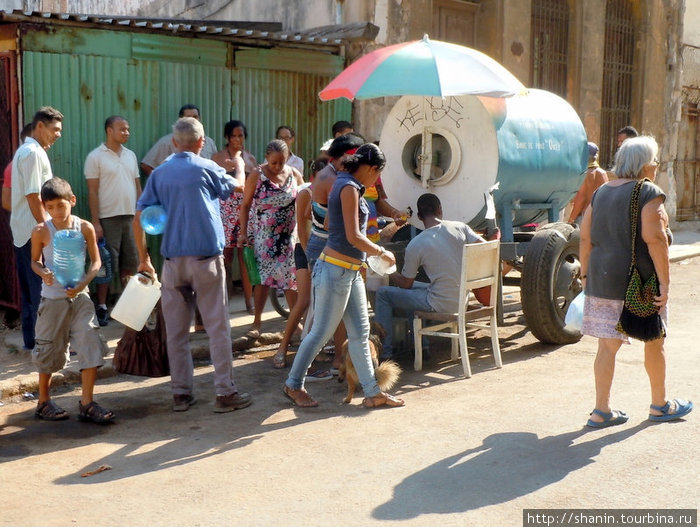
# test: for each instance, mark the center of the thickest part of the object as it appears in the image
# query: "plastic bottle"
(153, 219)
(380, 266)
(104, 275)
(251, 265)
(68, 257)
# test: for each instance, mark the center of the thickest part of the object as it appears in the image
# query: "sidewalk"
(18, 377)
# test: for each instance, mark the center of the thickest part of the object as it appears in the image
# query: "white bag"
(574, 315)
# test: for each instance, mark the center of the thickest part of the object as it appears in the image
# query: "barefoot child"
(65, 314)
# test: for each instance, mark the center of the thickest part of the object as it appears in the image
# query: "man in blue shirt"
(189, 188)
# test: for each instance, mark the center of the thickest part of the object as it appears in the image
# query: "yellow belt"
(340, 263)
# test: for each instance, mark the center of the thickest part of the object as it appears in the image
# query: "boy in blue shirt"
(65, 315)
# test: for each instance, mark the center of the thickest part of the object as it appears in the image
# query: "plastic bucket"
(136, 303)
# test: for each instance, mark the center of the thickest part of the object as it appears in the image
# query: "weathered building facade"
(617, 62)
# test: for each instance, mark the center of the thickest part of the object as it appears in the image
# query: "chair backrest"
(481, 267)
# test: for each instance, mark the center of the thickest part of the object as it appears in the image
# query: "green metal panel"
(177, 49)
(78, 41)
(266, 97)
(147, 78)
(297, 61)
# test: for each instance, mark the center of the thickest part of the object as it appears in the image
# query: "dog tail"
(387, 374)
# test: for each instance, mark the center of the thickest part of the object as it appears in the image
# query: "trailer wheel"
(279, 302)
(550, 281)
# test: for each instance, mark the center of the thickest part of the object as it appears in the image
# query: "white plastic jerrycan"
(137, 301)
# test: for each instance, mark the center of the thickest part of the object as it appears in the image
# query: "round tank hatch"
(444, 157)
(446, 146)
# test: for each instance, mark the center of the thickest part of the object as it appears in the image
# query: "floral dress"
(229, 216)
(274, 235)
(230, 208)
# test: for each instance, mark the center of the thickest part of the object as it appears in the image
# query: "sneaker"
(319, 375)
(229, 403)
(102, 316)
(183, 401)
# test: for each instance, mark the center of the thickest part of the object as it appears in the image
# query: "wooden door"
(454, 21)
(688, 162)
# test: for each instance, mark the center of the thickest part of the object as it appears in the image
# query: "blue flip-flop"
(683, 408)
(609, 419)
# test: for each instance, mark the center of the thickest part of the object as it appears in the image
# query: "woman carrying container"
(338, 288)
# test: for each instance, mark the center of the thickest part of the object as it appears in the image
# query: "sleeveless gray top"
(611, 238)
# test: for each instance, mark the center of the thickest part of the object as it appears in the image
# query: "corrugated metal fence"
(91, 74)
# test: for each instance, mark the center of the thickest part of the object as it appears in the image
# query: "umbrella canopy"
(423, 67)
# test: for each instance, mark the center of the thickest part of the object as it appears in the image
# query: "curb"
(199, 347)
(29, 383)
(684, 254)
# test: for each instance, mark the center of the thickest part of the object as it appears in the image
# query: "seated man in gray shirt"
(438, 249)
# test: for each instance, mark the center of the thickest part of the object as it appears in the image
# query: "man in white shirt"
(438, 249)
(288, 135)
(30, 169)
(165, 147)
(112, 175)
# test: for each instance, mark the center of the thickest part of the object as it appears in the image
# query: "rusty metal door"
(550, 45)
(618, 70)
(688, 162)
(9, 286)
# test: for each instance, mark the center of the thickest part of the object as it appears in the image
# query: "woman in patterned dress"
(239, 163)
(270, 192)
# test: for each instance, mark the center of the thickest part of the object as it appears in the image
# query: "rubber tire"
(550, 281)
(279, 303)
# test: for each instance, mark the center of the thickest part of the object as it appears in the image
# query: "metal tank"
(514, 161)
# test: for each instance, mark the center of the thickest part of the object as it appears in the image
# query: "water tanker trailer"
(513, 162)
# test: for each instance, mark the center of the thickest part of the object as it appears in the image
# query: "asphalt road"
(463, 452)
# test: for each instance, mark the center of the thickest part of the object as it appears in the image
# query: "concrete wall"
(121, 7)
(691, 42)
(293, 14)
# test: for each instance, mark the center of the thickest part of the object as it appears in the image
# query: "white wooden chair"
(480, 267)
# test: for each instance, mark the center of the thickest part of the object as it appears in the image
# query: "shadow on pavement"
(506, 466)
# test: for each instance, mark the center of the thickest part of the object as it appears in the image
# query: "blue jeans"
(337, 293)
(407, 300)
(30, 292)
(314, 248)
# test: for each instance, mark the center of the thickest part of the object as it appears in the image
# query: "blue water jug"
(153, 219)
(68, 257)
(104, 275)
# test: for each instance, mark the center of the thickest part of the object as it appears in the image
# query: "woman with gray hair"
(605, 252)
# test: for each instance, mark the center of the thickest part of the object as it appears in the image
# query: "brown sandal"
(50, 411)
(300, 398)
(382, 399)
(95, 413)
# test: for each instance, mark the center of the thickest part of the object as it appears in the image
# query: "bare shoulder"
(86, 226)
(40, 228)
(41, 232)
(297, 176)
